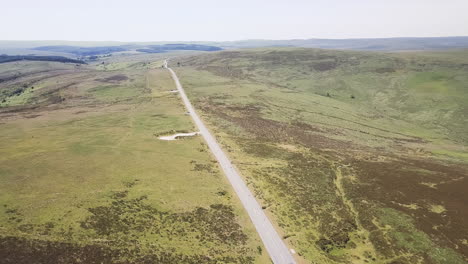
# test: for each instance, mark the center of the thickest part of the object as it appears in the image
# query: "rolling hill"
(356, 156)
(371, 44)
(86, 179)
(360, 157)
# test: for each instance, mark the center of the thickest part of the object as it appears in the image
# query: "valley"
(359, 157)
(353, 156)
(86, 179)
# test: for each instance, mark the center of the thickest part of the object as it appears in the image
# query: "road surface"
(273, 243)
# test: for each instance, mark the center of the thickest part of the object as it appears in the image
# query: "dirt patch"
(210, 168)
(323, 65)
(385, 70)
(114, 78)
(179, 136)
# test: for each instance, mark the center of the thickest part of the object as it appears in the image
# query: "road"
(272, 241)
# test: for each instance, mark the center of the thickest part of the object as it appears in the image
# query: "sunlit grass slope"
(359, 157)
(85, 179)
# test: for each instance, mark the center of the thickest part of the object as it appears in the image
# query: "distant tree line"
(8, 58)
(169, 47)
(95, 51)
(83, 51)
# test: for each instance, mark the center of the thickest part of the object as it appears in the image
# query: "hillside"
(359, 157)
(370, 44)
(7, 58)
(86, 178)
(100, 50)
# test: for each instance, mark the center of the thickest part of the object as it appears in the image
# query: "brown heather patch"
(379, 180)
(118, 227)
(14, 250)
(114, 78)
(249, 119)
(399, 182)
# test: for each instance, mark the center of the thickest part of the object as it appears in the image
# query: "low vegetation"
(85, 179)
(82, 51)
(358, 156)
(10, 58)
(93, 52)
(169, 47)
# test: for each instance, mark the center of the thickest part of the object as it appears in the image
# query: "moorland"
(359, 157)
(355, 156)
(85, 178)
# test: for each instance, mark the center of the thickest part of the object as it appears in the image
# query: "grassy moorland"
(84, 178)
(359, 157)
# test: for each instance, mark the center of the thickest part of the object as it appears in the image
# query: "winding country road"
(274, 245)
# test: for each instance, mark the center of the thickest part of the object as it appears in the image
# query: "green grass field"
(86, 180)
(359, 157)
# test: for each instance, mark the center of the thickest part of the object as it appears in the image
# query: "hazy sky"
(154, 20)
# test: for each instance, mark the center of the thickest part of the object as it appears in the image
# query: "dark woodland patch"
(7, 58)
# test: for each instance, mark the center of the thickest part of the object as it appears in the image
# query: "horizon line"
(238, 40)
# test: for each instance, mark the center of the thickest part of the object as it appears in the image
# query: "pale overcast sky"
(155, 20)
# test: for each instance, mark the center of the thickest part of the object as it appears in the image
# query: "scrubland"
(359, 157)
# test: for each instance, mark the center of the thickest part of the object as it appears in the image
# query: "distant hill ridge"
(7, 58)
(82, 51)
(371, 44)
(93, 51)
(375, 44)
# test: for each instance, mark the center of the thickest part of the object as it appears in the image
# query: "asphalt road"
(272, 241)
